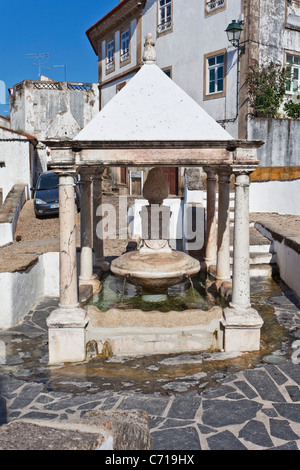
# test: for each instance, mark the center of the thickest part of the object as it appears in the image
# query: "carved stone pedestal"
(241, 329)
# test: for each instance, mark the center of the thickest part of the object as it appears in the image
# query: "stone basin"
(155, 273)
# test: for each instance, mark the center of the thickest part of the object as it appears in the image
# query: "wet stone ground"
(208, 400)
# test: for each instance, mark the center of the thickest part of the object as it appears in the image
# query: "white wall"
(16, 157)
(288, 261)
(20, 291)
(281, 137)
(281, 197)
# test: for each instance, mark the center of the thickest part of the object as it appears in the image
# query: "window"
(168, 71)
(293, 7)
(214, 84)
(293, 62)
(124, 53)
(110, 56)
(215, 74)
(212, 6)
(164, 15)
(119, 86)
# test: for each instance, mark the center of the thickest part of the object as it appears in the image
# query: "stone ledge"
(97, 430)
(11, 204)
(281, 227)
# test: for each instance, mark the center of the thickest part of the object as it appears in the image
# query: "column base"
(93, 281)
(241, 329)
(66, 335)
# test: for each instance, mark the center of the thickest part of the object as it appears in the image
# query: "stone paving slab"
(97, 430)
(222, 417)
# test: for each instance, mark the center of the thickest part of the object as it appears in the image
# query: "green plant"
(267, 88)
(292, 107)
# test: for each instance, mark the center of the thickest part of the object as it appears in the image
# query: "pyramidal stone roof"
(152, 107)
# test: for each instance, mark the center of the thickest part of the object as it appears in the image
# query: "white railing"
(110, 65)
(124, 56)
(213, 5)
(164, 26)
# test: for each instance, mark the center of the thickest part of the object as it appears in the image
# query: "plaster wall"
(288, 261)
(15, 155)
(275, 37)
(37, 281)
(52, 112)
(281, 136)
(281, 197)
(4, 122)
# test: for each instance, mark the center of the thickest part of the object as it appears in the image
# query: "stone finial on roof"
(149, 56)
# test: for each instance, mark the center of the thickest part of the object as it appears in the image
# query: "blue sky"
(54, 27)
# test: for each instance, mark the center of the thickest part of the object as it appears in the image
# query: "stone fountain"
(155, 266)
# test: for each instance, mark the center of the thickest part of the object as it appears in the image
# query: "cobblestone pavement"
(194, 401)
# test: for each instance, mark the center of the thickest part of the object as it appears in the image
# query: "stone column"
(100, 265)
(67, 323)
(223, 241)
(211, 235)
(242, 323)
(86, 232)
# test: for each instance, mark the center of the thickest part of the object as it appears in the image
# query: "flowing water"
(118, 293)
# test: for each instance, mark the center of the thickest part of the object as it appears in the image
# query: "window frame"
(110, 64)
(160, 30)
(207, 95)
(291, 90)
(125, 58)
(168, 71)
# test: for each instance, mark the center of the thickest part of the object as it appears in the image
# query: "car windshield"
(48, 181)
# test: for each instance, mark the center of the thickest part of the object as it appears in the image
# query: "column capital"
(98, 173)
(211, 172)
(243, 169)
(224, 174)
(85, 173)
(71, 171)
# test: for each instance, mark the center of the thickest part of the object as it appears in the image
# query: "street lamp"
(233, 31)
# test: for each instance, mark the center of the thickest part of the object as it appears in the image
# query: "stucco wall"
(52, 109)
(281, 197)
(16, 157)
(275, 37)
(281, 136)
(39, 280)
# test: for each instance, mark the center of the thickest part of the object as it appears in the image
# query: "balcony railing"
(164, 26)
(214, 5)
(110, 66)
(124, 56)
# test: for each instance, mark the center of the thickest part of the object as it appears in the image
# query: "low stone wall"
(132, 331)
(22, 289)
(286, 246)
(282, 146)
(10, 211)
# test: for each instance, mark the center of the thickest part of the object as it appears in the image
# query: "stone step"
(259, 258)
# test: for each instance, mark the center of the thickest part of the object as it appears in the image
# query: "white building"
(19, 161)
(48, 109)
(193, 49)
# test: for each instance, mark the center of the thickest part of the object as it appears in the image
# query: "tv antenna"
(40, 56)
(65, 67)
